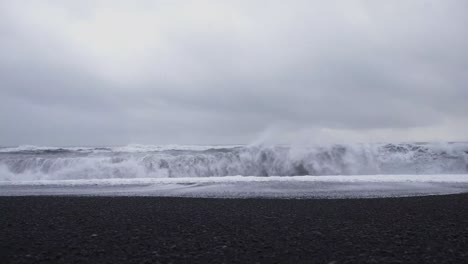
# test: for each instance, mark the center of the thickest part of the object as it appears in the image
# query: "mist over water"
(32, 163)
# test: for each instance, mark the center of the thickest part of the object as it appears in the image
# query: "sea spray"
(146, 161)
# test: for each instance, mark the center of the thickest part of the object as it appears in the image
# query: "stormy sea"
(354, 203)
(326, 171)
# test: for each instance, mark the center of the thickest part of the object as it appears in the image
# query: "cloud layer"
(198, 72)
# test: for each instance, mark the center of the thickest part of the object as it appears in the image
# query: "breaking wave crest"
(28, 163)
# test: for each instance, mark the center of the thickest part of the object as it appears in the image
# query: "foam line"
(443, 178)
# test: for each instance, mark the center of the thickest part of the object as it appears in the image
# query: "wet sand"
(61, 229)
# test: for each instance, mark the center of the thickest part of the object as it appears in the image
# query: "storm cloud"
(205, 72)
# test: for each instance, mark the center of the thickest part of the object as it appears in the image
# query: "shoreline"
(98, 229)
(315, 187)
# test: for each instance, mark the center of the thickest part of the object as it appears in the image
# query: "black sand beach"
(431, 229)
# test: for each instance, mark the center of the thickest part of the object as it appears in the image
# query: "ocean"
(338, 170)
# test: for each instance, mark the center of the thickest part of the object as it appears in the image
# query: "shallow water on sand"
(358, 186)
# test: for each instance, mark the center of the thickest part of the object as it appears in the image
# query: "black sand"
(182, 230)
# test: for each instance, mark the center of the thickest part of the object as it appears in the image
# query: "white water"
(131, 148)
(29, 163)
(442, 178)
(358, 170)
(361, 186)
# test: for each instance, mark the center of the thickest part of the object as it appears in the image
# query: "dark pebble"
(431, 229)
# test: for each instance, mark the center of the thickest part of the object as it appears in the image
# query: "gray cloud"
(109, 72)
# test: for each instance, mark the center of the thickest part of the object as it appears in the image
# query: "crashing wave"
(142, 161)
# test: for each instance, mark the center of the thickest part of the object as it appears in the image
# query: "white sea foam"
(33, 163)
(28, 148)
(152, 148)
(353, 170)
(437, 178)
(131, 148)
(362, 186)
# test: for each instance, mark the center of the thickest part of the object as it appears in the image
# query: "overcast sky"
(219, 72)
